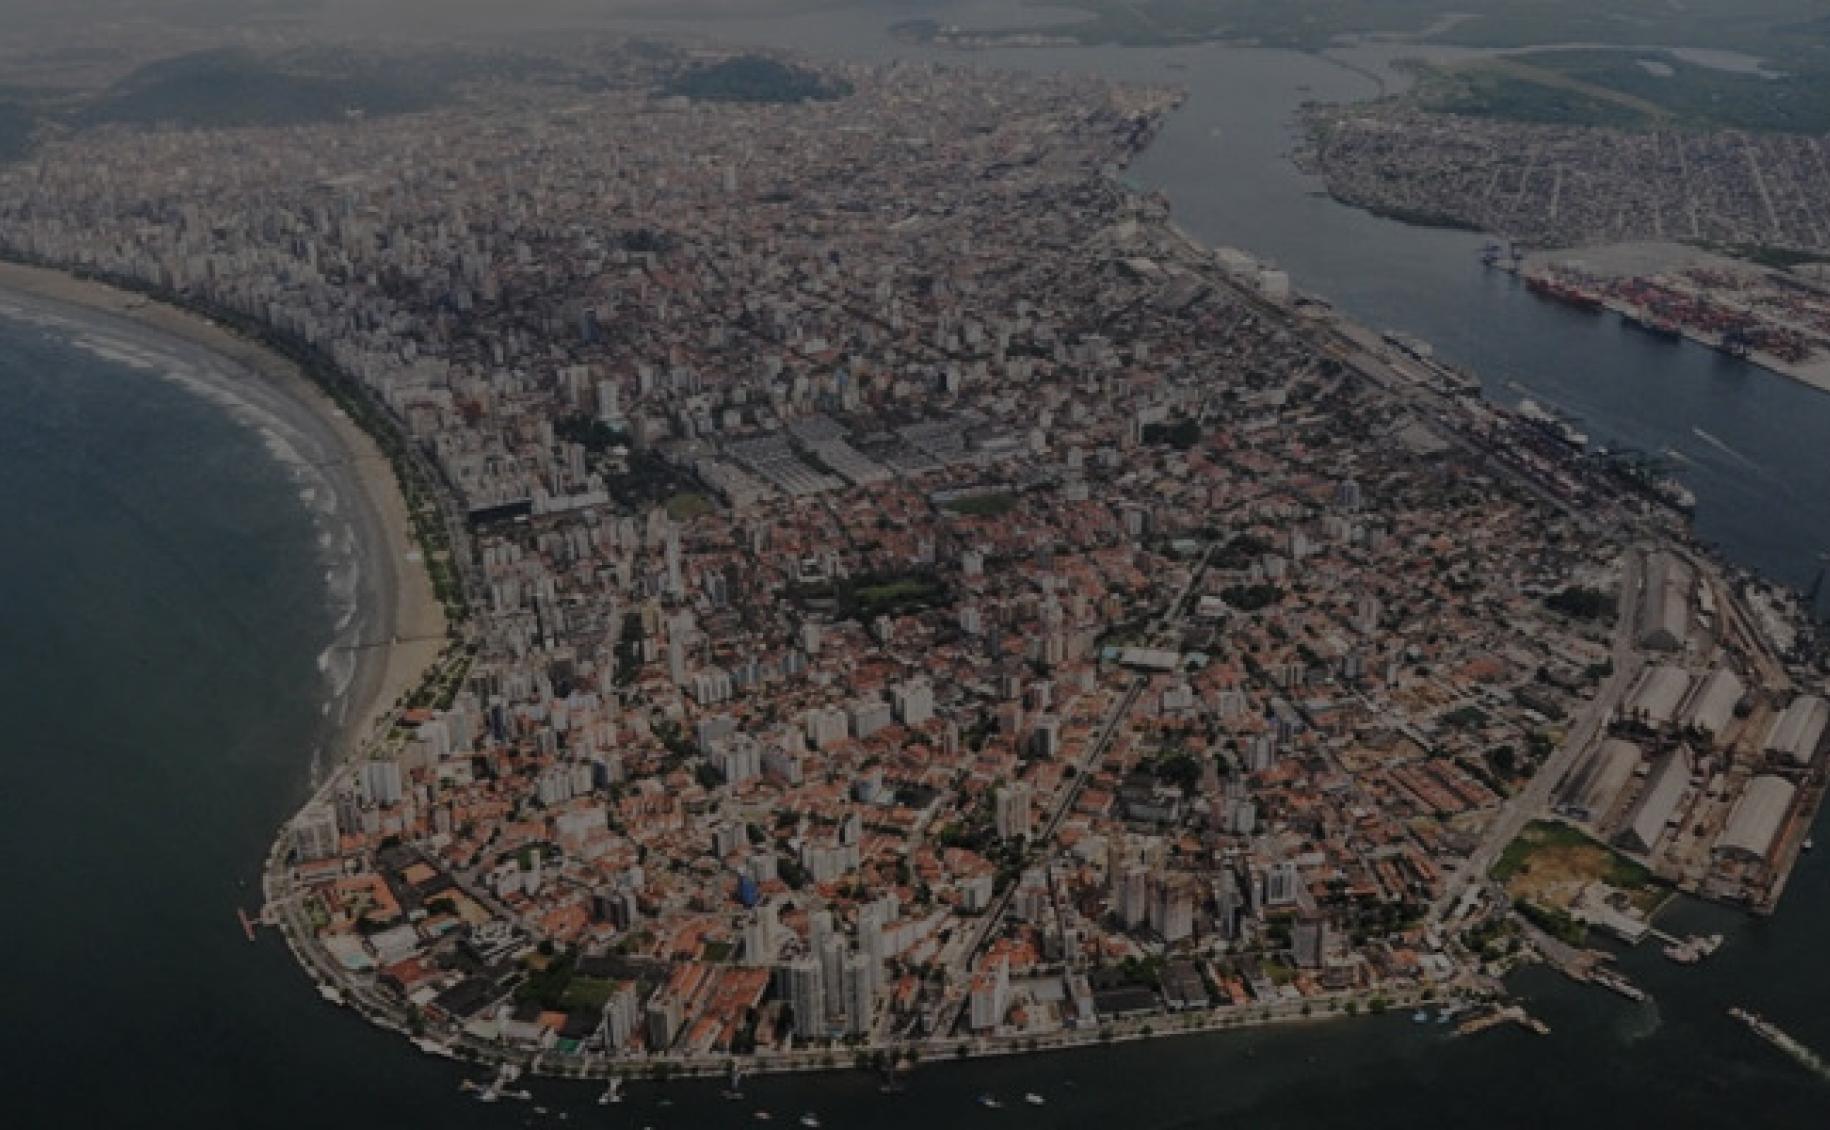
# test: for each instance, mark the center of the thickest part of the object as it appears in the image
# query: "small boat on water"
(613, 1093)
(811, 1121)
(498, 1087)
(989, 1102)
(1033, 1099)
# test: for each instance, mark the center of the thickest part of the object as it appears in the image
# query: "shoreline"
(404, 625)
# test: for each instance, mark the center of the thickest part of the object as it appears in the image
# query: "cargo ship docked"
(1551, 424)
(1562, 292)
(1648, 478)
(1454, 378)
(1409, 343)
(1652, 324)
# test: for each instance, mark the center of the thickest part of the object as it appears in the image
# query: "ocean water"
(162, 611)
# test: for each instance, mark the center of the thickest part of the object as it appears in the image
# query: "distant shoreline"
(395, 596)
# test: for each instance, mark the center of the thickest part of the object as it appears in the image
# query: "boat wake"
(1642, 1022)
(1719, 445)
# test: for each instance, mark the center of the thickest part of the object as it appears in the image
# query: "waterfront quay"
(1775, 318)
(914, 601)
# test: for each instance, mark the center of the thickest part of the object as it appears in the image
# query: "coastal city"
(907, 598)
(1567, 185)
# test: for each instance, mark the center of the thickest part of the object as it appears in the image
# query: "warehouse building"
(1797, 732)
(1758, 816)
(1658, 695)
(1712, 705)
(1590, 792)
(1663, 616)
(1658, 801)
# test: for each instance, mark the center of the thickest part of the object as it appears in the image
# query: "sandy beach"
(393, 626)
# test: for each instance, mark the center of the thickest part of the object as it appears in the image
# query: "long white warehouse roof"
(1757, 817)
(1664, 604)
(1660, 691)
(1796, 733)
(1658, 802)
(1712, 707)
(1599, 778)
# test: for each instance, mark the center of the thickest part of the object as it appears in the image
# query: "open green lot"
(1760, 27)
(1630, 89)
(586, 994)
(687, 504)
(1550, 862)
(892, 595)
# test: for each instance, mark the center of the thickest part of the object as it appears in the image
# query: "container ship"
(1652, 324)
(1562, 292)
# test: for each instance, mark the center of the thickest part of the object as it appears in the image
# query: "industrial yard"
(1775, 317)
(1707, 771)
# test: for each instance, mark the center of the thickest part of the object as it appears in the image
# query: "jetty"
(1511, 1013)
(1612, 981)
(1690, 950)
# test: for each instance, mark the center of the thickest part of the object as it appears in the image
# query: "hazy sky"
(355, 15)
(37, 36)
